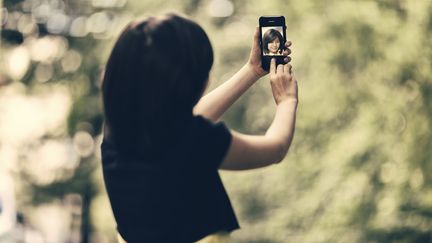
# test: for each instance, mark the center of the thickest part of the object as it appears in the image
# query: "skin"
(273, 46)
(215, 103)
(255, 55)
(255, 151)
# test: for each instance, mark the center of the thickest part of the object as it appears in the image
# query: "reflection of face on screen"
(272, 40)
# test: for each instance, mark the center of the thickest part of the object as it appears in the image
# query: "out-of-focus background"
(359, 169)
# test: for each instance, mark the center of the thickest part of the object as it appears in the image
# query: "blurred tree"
(359, 168)
(77, 28)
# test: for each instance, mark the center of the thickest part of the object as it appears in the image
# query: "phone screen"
(273, 40)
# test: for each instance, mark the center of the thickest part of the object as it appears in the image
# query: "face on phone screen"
(272, 40)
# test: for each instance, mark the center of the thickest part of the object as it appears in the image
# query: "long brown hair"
(157, 71)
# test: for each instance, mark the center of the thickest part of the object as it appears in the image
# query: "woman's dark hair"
(156, 73)
(271, 35)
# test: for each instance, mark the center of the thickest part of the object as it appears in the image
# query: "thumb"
(256, 38)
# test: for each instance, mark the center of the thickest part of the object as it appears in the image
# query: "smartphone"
(272, 41)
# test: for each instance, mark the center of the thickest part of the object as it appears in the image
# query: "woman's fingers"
(287, 59)
(273, 66)
(280, 69)
(287, 51)
(256, 37)
(287, 45)
(287, 68)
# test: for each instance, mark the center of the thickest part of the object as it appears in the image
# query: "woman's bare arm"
(254, 151)
(249, 151)
(214, 104)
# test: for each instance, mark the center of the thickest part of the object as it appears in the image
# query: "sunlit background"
(359, 169)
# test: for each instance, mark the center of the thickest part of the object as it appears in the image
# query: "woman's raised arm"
(251, 151)
(214, 104)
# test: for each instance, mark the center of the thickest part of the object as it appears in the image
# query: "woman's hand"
(254, 62)
(283, 83)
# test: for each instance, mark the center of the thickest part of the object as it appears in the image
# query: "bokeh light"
(17, 62)
(47, 49)
(220, 8)
(83, 143)
(4, 16)
(78, 27)
(358, 169)
(43, 72)
(71, 61)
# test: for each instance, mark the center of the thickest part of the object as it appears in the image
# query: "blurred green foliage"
(359, 168)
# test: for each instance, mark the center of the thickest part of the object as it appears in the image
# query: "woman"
(163, 144)
(272, 40)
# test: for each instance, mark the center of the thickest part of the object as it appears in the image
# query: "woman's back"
(177, 197)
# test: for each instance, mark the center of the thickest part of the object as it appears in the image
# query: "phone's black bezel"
(271, 21)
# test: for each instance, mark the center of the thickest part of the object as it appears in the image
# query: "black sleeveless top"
(177, 198)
